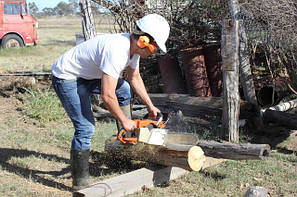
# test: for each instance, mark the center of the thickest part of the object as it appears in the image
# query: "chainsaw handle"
(159, 116)
(121, 138)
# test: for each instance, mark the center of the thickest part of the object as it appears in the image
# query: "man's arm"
(139, 88)
(108, 87)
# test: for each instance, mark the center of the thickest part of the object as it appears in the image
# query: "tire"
(12, 41)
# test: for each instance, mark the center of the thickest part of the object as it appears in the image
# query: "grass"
(43, 106)
(233, 178)
(36, 137)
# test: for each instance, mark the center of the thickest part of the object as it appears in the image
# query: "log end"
(265, 151)
(196, 158)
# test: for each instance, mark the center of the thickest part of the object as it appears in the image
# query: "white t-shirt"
(109, 53)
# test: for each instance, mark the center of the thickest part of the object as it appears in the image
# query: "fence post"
(88, 25)
(231, 99)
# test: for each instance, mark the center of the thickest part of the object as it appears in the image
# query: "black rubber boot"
(80, 169)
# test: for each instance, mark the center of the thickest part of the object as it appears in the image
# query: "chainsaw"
(150, 131)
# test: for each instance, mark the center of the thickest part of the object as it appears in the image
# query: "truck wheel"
(12, 41)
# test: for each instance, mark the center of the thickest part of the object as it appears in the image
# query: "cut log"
(280, 118)
(189, 157)
(235, 151)
(285, 106)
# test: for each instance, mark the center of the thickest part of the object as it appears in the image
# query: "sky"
(46, 3)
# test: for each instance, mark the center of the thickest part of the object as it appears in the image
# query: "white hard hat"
(157, 27)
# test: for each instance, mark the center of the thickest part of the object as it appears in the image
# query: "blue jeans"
(75, 98)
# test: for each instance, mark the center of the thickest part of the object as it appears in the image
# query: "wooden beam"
(132, 182)
(138, 180)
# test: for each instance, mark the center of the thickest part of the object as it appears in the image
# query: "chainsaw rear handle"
(140, 124)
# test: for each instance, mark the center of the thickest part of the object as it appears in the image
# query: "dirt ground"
(15, 151)
(12, 119)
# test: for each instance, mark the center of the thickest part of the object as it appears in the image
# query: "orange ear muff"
(144, 41)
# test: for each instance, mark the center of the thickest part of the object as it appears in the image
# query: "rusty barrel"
(171, 75)
(195, 71)
(213, 63)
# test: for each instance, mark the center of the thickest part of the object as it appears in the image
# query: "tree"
(63, 9)
(73, 4)
(33, 8)
(49, 11)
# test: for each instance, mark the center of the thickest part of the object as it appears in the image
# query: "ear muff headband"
(144, 41)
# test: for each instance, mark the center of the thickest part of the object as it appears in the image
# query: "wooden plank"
(138, 180)
(132, 182)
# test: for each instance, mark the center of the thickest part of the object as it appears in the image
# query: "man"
(95, 66)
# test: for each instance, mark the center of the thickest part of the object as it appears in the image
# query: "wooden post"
(88, 25)
(231, 100)
(244, 61)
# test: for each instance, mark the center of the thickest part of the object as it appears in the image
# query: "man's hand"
(108, 86)
(139, 88)
(129, 125)
(153, 111)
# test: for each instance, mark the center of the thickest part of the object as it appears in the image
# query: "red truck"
(18, 27)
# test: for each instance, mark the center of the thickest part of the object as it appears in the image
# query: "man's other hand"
(153, 112)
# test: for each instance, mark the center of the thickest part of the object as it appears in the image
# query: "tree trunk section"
(194, 106)
(88, 25)
(189, 157)
(231, 103)
(246, 77)
(285, 106)
(280, 118)
(235, 151)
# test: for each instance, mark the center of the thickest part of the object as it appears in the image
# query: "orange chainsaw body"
(132, 139)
